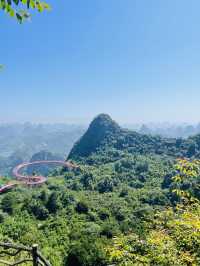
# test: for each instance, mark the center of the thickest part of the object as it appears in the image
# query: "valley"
(113, 207)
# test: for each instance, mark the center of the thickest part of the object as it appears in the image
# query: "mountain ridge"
(104, 135)
(99, 129)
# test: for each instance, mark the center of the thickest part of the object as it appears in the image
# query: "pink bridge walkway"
(32, 180)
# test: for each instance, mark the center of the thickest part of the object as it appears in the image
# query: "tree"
(38, 210)
(173, 236)
(186, 181)
(8, 203)
(191, 150)
(105, 185)
(20, 8)
(87, 179)
(82, 207)
(53, 203)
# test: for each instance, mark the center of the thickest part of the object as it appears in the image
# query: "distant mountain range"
(108, 141)
(31, 138)
(173, 131)
(19, 142)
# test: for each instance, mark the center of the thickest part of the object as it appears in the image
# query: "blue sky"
(137, 60)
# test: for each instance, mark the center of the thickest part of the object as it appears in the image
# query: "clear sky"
(137, 60)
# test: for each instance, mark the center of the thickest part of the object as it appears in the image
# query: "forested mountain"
(100, 130)
(128, 202)
(19, 142)
(106, 139)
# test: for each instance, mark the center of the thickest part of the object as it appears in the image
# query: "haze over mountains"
(31, 138)
(19, 142)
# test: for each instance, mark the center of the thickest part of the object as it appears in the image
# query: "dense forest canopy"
(131, 201)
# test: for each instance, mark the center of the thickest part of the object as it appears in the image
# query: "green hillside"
(105, 140)
(129, 202)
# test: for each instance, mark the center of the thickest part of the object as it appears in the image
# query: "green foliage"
(19, 8)
(102, 127)
(8, 203)
(126, 204)
(173, 236)
(53, 203)
(105, 185)
(38, 210)
(81, 207)
(105, 141)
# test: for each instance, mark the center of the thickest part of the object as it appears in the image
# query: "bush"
(8, 203)
(53, 203)
(103, 214)
(82, 207)
(105, 185)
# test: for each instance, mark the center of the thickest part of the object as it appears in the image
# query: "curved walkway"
(32, 180)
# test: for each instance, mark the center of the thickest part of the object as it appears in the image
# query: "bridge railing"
(11, 254)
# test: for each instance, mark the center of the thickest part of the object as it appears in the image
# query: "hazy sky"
(138, 60)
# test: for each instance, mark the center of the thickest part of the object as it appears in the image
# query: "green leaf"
(19, 17)
(16, 2)
(12, 12)
(9, 2)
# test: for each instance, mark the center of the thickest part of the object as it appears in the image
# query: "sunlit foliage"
(173, 237)
(20, 8)
(128, 203)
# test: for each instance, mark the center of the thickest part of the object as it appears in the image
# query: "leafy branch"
(185, 170)
(19, 9)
